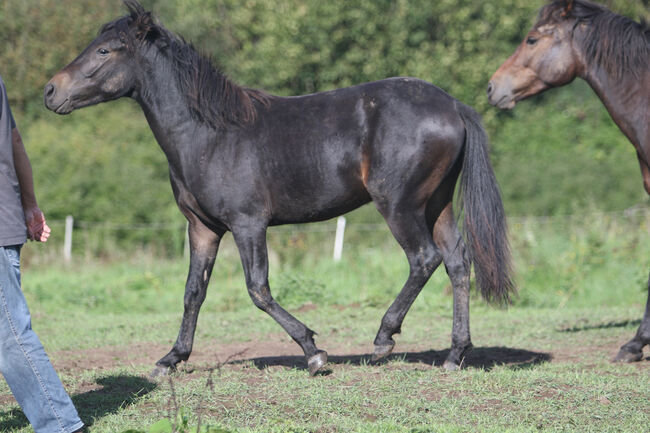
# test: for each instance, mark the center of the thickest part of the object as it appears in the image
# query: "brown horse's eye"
(531, 41)
(102, 51)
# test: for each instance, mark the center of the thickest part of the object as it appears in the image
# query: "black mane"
(614, 42)
(211, 97)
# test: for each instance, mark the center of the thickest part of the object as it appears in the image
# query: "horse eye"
(531, 41)
(102, 51)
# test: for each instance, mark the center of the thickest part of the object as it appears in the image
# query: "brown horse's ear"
(568, 8)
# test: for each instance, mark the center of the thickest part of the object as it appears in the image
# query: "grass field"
(540, 365)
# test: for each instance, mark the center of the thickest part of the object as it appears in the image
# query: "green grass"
(540, 365)
(580, 391)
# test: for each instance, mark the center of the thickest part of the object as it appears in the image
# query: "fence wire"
(330, 226)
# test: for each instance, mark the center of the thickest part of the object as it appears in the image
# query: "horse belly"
(318, 196)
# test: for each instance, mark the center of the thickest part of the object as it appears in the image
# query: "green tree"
(556, 153)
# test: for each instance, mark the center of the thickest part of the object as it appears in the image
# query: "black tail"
(485, 221)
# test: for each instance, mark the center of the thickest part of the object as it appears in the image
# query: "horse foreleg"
(633, 350)
(204, 244)
(251, 241)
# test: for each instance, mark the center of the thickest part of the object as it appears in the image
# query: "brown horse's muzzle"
(500, 94)
(510, 84)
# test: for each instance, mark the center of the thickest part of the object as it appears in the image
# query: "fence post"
(186, 243)
(338, 240)
(67, 240)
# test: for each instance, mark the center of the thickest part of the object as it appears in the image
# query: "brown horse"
(577, 38)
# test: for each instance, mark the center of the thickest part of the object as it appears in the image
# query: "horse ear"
(143, 26)
(134, 8)
(567, 8)
(142, 22)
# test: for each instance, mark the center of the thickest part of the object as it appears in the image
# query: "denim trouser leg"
(23, 361)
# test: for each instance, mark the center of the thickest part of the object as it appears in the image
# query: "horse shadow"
(588, 327)
(116, 393)
(485, 358)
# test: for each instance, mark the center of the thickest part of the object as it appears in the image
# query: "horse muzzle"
(54, 98)
(499, 97)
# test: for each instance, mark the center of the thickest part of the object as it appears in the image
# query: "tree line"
(559, 153)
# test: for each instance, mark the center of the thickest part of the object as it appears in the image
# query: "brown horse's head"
(546, 58)
(105, 69)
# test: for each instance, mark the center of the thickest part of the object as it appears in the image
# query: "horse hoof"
(160, 371)
(450, 366)
(625, 356)
(316, 362)
(382, 351)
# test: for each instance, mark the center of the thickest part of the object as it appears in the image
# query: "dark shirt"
(12, 219)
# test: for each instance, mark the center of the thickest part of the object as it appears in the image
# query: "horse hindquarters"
(424, 189)
(411, 222)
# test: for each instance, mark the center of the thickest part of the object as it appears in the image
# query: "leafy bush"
(555, 154)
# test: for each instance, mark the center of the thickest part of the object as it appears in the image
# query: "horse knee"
(425, 263)
(194, 295)
(458, 272)
(261, 296)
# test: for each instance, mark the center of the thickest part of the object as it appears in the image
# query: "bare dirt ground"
(276, 352)
(282, 353)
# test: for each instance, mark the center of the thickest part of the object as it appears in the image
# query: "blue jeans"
(23, 361)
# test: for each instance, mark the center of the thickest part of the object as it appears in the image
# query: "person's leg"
(23, 361)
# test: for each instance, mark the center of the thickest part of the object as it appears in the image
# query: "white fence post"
(67, 240)
(186, 243)
(338, 240)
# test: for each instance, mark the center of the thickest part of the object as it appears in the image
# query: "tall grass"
(581, 260)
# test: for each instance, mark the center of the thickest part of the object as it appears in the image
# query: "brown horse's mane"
(210, 95)
(611, 41)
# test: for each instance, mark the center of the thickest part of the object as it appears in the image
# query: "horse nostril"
(490, 88)
(49, 91)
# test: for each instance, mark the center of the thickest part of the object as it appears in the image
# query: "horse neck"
(166, 109)
(626, 100)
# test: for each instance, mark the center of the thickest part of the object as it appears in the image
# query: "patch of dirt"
(308, 306)
(7, 399)
(353, 306)
(597, 352)
(277, 352)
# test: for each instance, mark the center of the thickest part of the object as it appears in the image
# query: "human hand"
(37, 228)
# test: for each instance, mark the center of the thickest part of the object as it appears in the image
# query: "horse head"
(546, 58)
(106, 69)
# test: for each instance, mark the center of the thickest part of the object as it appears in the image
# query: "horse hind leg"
(457, 264)
(632, 351)
(251, 242)
(413, 235)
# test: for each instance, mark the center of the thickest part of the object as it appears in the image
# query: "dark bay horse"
(577, 38)
(241, 160)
